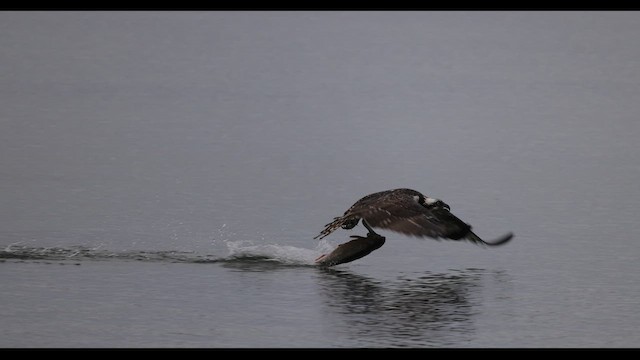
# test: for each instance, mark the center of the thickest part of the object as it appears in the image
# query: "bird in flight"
(401, 210)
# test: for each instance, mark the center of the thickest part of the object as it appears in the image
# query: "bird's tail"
(497, 242)
(331, 227)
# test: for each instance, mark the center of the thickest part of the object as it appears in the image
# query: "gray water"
(163, 174)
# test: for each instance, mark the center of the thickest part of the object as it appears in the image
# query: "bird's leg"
(371, 232)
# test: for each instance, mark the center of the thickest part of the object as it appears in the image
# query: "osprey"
(401, 210)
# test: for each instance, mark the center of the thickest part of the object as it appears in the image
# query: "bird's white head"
(430, 201)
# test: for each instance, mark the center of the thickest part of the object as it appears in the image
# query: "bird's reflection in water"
(430, 309)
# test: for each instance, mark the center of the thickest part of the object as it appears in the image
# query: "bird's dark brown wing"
(403, 214)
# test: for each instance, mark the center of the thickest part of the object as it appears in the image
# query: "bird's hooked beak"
(436, 203)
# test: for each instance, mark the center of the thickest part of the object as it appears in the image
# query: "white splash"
(284, 254)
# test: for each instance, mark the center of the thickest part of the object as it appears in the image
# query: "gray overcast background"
(156, 128)
(151, 135)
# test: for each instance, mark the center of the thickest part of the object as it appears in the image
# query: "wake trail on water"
(240, 251)
(281, 254)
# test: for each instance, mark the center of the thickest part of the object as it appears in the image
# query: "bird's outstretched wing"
(403, 214)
